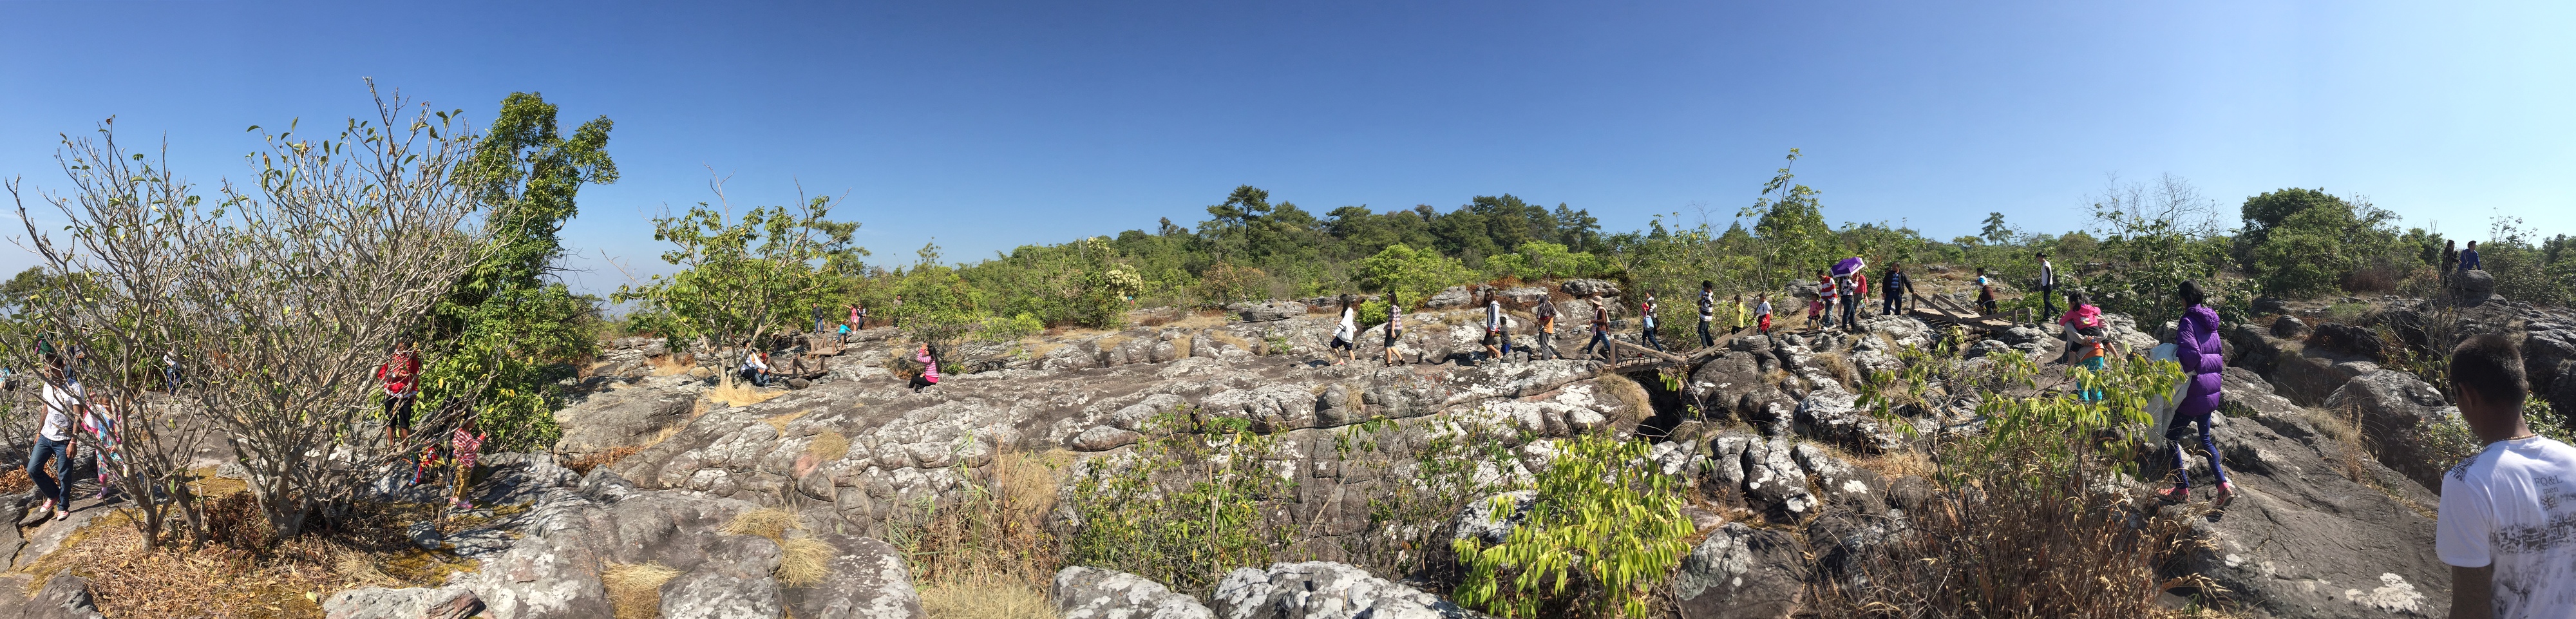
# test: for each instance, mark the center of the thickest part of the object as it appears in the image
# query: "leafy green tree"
(504, 330)
(1995, 231)
(1791, 226)
(2265, 211)
(746, 277)
(1412, 273)
(2311, 249)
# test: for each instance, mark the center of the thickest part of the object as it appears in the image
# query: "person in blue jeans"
(2197, 348)
(53, 442)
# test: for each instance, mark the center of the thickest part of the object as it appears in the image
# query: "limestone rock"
(449, 602)
(1773, 482)
(2473, 286)
(1094, 593)
(864, 579)
(612, 419)
(1269, 312)
(2289, 327)
(1324, 590)
(1453, 296)
(1581, 288)
(1740, 572)
(1491, 519)
(2395, 408)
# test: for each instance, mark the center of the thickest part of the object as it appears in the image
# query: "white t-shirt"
(58, 410)
(1349, 329)
(2513, 506)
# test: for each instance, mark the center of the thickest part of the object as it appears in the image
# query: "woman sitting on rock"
(2196, 346)
(929, 369)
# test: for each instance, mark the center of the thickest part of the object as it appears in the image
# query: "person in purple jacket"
(2196, 346)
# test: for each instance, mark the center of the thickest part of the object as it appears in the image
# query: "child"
(1739, 312)
(2504, 516)
(1394, 326)
(465, 444)
(1762, 308)
(1646, 316)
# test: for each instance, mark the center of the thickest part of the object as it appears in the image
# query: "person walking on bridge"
(1600, 329)
(1646, 317)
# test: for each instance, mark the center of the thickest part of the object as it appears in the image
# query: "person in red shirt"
(401, 376)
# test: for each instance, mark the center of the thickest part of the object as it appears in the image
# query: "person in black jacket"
(1895, 286)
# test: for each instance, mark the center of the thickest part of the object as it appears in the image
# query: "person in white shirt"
(53, 442)
(2047, 286)
(1493, 326)
(755, 366)
(2508, 518)
(1346, 335)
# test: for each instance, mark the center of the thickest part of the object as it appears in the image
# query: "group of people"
(855, 317)
(400, 376)
(1846, 286)
(1497, 338)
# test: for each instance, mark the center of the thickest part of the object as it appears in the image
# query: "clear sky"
(990, 125)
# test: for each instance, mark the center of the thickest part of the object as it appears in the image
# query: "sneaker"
(2226, 493)
(48, 506)
(2176, 494)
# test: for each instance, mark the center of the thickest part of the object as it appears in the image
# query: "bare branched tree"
(104, 318)
(283, 297)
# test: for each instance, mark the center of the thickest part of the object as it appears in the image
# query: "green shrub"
(1414, 274)
(1182, 508)
(1605, 529)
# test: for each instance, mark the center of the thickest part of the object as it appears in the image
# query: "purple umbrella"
(1848, 266)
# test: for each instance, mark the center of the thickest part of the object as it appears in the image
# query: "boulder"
(2271, 305)
(1740, 572)
(1525, 295)
(1834, 415)
(625, 417)
(1453, 296)
(1269, 312)
(2348, 340)
(864, 579)
(2289, 327)
(1581, 288)
(2396, 409)
(2473, 287)
(1323, 590)
(1774, 484)
(733, 582)
(1842, 485)
(2303, 538)
(449, 602)
(1094, 593)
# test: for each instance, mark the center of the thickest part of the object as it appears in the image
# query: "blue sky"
(990, 125)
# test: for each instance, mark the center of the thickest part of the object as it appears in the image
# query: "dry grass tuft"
(667, 365)
(996, 537)
(584, 464)
(770, 522)
(985, 598)
(1201, 320)
(635, 590)
(740, 394)
(803, 561)
(828, 446)
(14, 481)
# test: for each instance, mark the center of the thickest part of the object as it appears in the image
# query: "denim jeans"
(2178, 432)
(56, 486)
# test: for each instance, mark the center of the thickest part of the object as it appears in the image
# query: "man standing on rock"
(2508, 517)
(1707, 312)
(1546, 312)
(2047, 287)
(2469, 258)
(1895, 286)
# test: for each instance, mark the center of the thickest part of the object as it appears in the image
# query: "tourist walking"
(63, 397)
(1600, 330)
(1394, 326)
(1740, 315)
(1346, 334)
(1822, 311)
(2505, 512)
(1895, 287)
(1762, 313)
(1707, 312)
(1646, 316)
(1851, 301)
(1493, 326)
(1546, 312)
(2196, 345)
(2047, 285)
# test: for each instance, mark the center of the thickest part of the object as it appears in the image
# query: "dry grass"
(1897, 463)
(635, 590)
(985, 598)
(995, 538)
(803, 561)
(1201, 320)
(1231, 340)
(283, 579)
(828, 446)
(14, 481)
(768, 522)
(734, 393)
(584, 464)
(667, 365)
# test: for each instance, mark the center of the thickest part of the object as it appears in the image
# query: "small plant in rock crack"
(1605, 529)
(1443, 465)
(1182, 507)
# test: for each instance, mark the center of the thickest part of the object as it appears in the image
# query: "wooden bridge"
(1935, 310)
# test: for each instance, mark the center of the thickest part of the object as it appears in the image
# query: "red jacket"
(400, 373)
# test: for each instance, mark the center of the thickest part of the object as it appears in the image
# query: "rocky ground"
(2324, 438)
